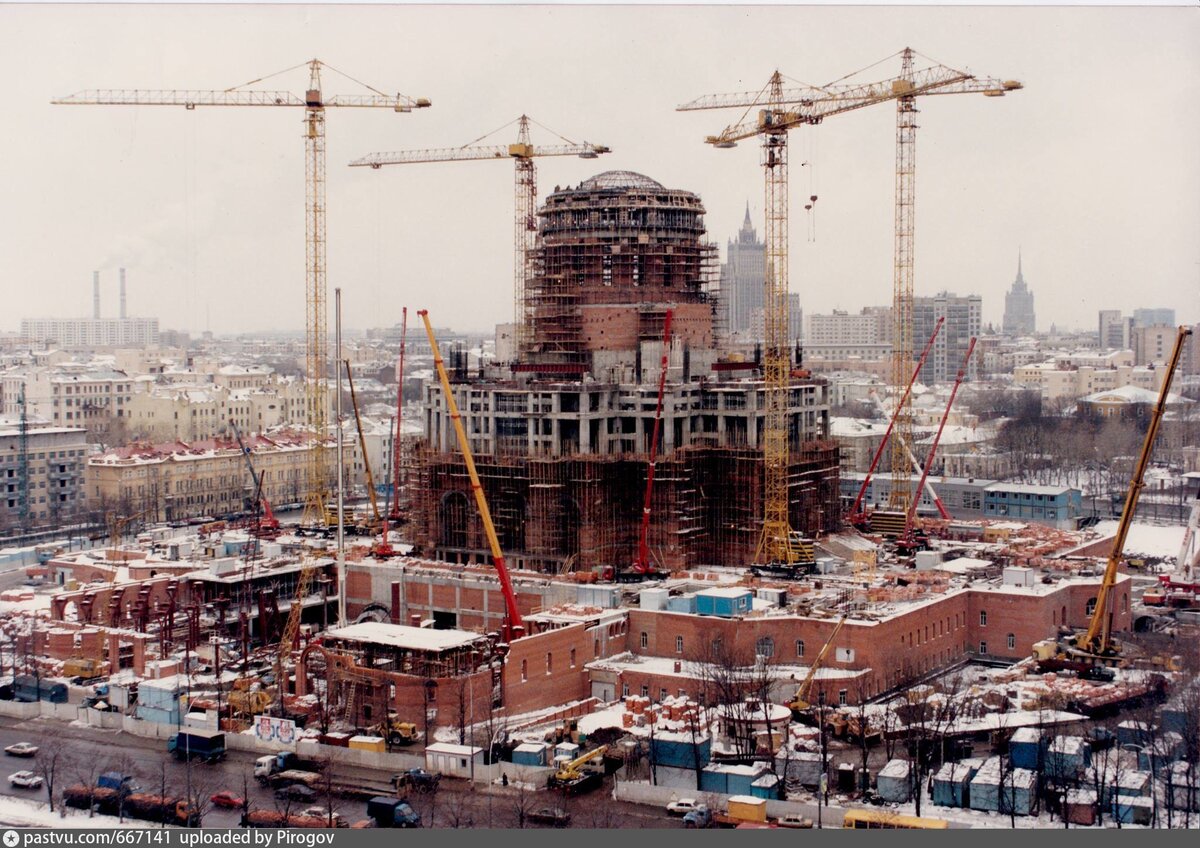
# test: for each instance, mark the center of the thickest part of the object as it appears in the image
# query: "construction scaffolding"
(613, 255)
(576, 513)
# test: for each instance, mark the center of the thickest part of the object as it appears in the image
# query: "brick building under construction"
(561, 436)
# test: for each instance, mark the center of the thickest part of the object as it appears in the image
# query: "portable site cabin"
(998, 790)
(894, 781)
(1067, 757)
(1025, 747)
(952, 783)
(453, 760)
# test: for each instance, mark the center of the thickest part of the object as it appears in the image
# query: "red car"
(227, 799)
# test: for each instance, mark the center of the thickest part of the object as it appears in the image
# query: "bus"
(872, 819)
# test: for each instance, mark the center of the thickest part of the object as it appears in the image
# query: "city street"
(89, 751)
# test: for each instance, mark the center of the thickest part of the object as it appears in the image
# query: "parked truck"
(270, 818)
(207, 745)
(291, 777)
(742, 810)
(271, 764)
(158, 808)
(119, 783)
(82, 797)
(137, 805)
(392, 812)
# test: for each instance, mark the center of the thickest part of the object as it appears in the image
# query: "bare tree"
(522, 799)
(86, 770)
(123, 765)
(461, 705)
(51, 760)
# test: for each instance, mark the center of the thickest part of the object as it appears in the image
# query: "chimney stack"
(95, 294)
(123, 293)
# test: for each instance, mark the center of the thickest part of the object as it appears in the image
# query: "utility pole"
(341, 468)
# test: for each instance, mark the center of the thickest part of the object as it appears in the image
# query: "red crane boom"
(642, 564)
(912, 507)
(856, 514)
(394, 511)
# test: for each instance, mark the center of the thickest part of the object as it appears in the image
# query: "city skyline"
(205, 208)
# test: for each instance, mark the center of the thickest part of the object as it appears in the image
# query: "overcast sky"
(1092, 170)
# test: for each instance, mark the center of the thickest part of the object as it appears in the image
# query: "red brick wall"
(922, 640)
(537, 688)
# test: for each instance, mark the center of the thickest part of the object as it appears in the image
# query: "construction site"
(626, 546)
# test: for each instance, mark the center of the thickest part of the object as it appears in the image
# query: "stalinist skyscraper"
(1019, 319)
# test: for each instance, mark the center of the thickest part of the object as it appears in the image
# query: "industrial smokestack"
(122, 292)
(95, 294)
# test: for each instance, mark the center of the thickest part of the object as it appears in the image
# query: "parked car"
(323, 814)
(296, 792)
(25, 780)
(227, 799)
(794, 820)
(682, 806)
(550, 815)
(21, 749)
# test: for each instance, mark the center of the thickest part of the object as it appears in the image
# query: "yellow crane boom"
(522, 152)
(314, 102)
(783, 109)
(1097, 642)
(514, 625)
(800, 702)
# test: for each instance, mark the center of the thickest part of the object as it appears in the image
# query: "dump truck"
(207, 745)
(392, 812)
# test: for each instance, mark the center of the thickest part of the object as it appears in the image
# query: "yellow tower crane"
(784, 108)
(314, 104)
(522, 152)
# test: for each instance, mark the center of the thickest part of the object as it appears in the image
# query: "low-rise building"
(176, 481)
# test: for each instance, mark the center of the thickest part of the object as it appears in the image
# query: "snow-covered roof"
(1129, 394)
(724, 592)
(403, 636)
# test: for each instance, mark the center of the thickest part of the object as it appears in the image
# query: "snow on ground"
(23, 812)
(1146, 540)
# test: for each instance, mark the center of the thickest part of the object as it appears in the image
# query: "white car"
(321, 813)
(682, 806)
(21, 749)
(25, 780)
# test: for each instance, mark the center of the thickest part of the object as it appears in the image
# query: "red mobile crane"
(265, 525)
(858, 516)
(641, 566)
(394, 509)
(514, 626)
(912, 540)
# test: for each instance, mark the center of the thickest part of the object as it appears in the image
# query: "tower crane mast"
(784, 109)
(522, 152)
(314, 103)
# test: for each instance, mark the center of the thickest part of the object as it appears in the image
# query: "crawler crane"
(514, 626)
(800, 703)
(1095, 648)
